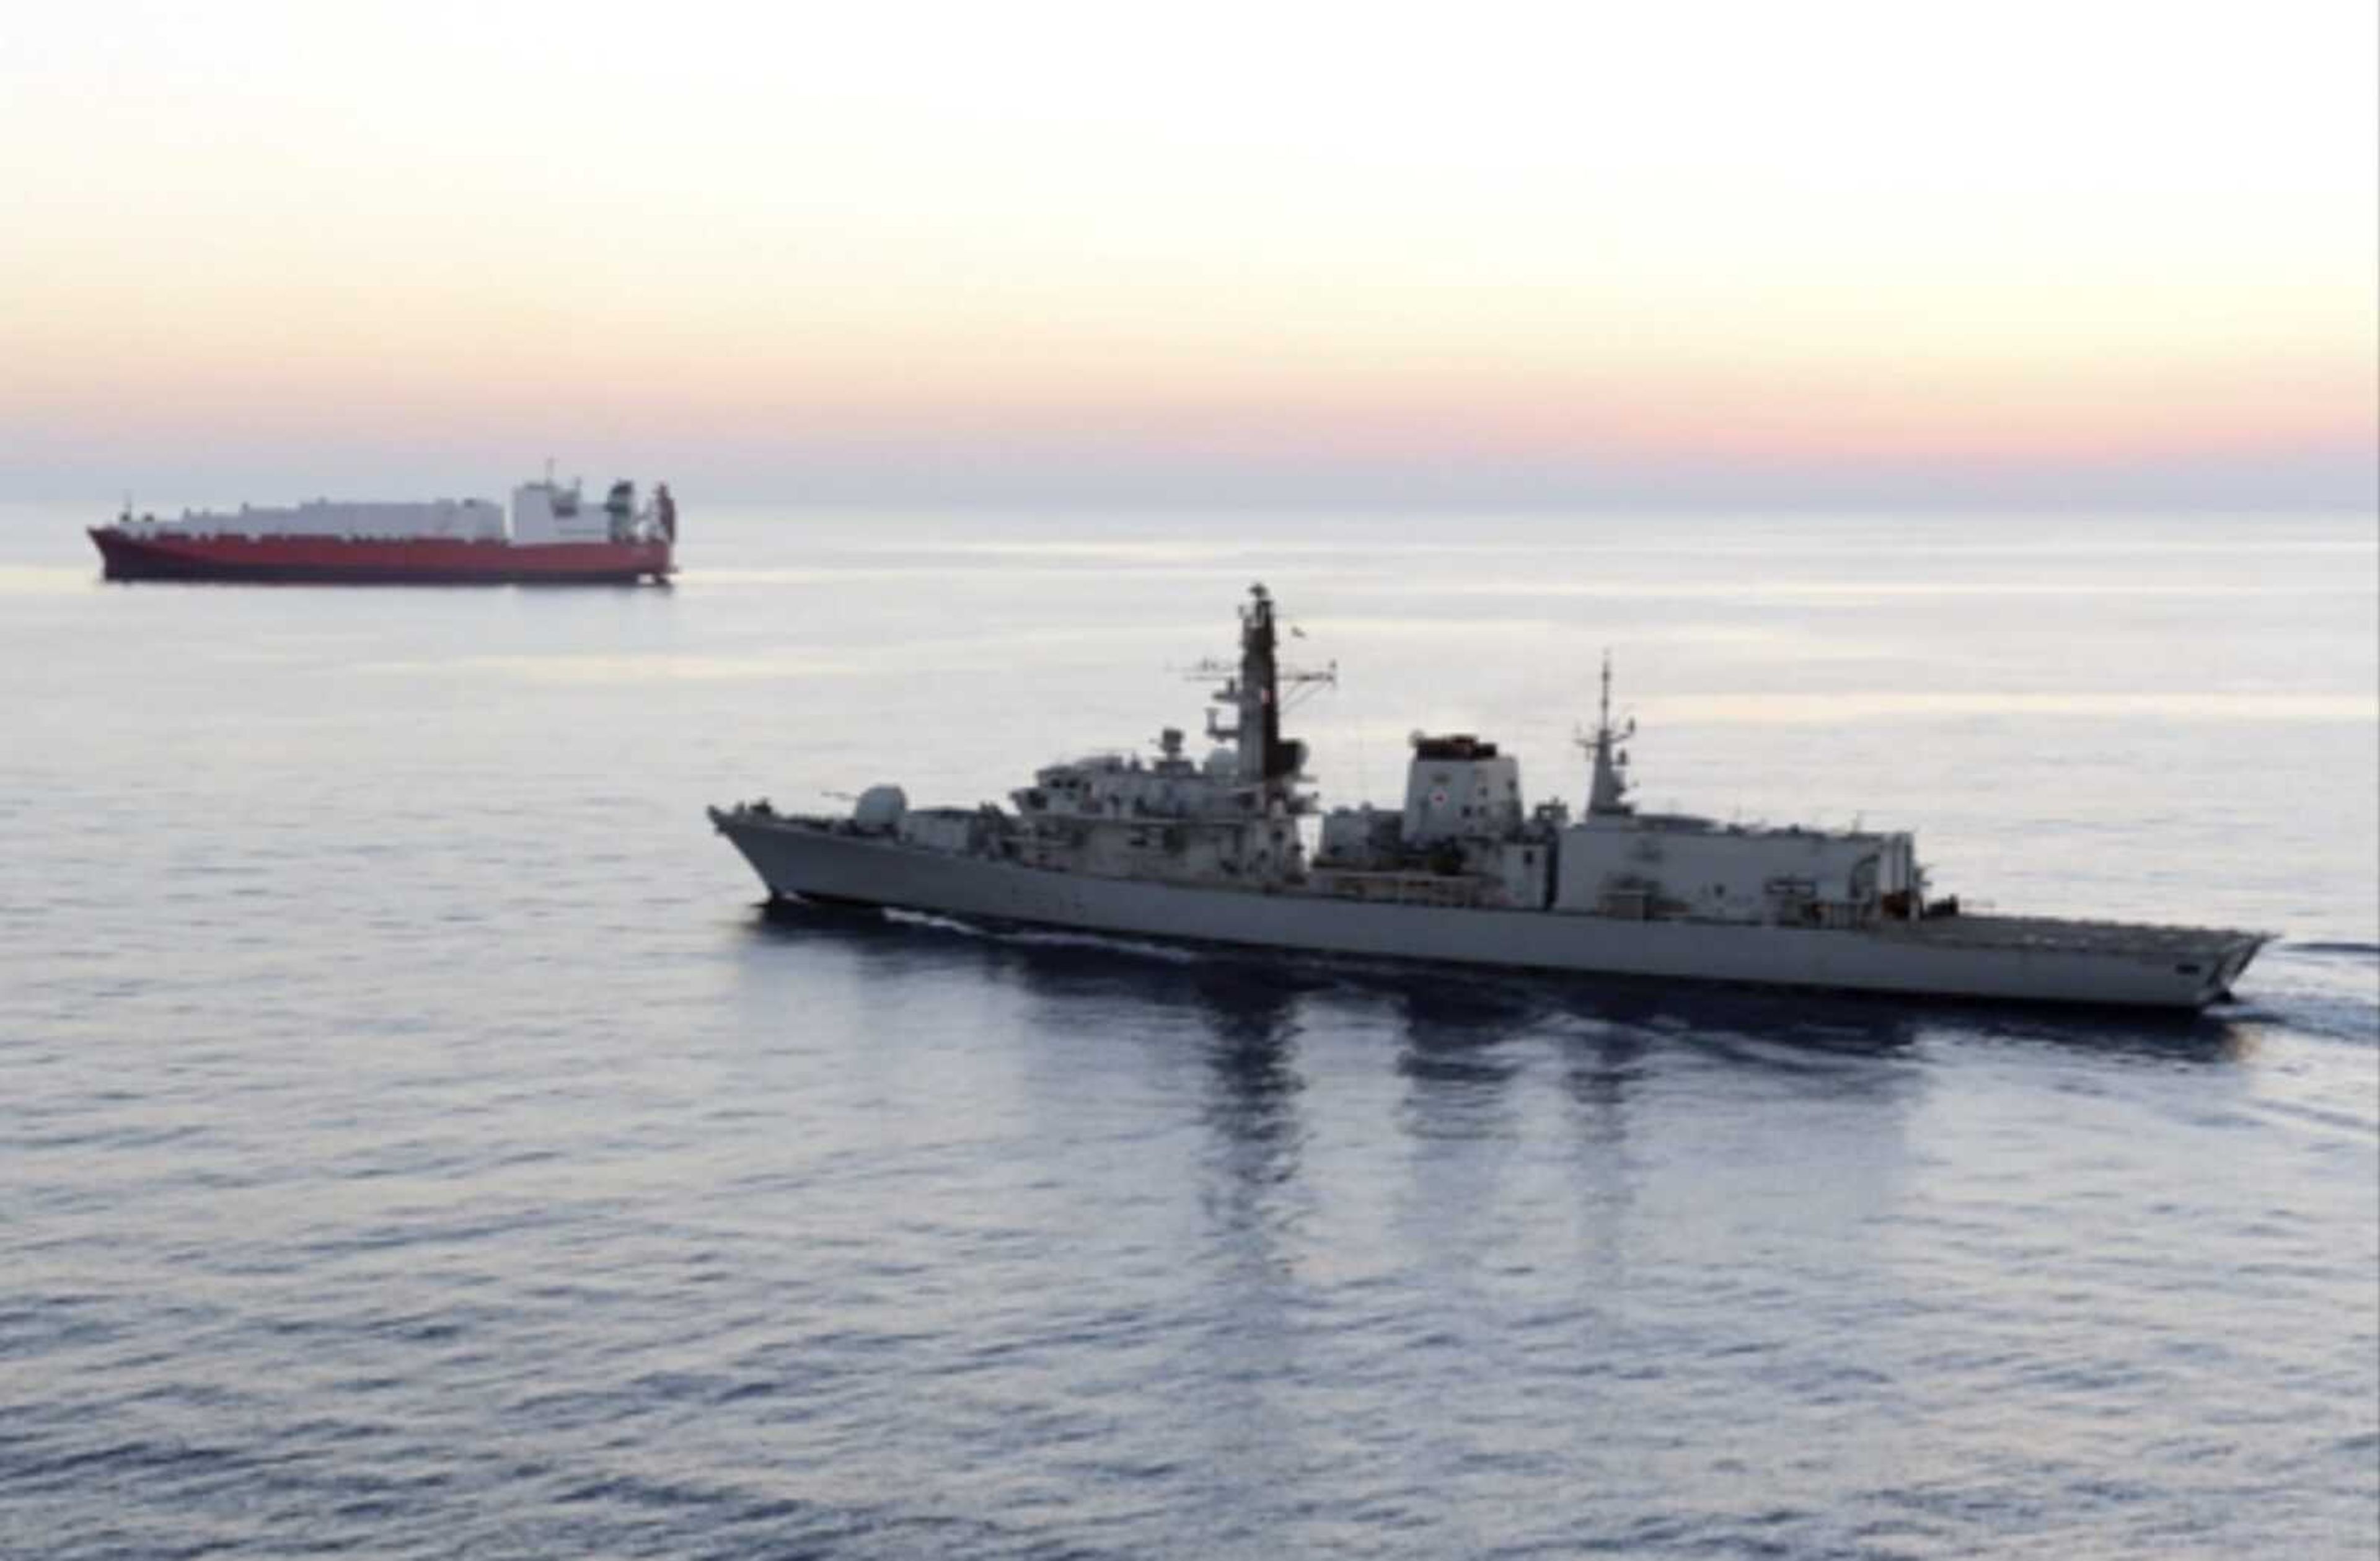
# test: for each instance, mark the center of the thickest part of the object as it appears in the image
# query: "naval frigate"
(1234, 848)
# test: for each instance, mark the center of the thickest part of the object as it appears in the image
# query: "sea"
(416, 1140)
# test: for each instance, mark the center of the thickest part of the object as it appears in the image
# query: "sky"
(1836, 253)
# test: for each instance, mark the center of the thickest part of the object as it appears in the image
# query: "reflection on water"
(1628, 1123)
(1599, 1070)
(1251, 1058)
(1786, 1224)
(1456, 1051)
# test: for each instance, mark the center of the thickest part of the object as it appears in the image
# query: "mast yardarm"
(1607, 792)
(1266, 759)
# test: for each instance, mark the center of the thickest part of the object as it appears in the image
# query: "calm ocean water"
(415, 1143)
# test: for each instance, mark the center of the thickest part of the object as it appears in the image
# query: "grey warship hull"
(1968, 957)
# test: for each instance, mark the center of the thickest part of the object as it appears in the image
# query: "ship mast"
(1607, 794)
(1267, 761)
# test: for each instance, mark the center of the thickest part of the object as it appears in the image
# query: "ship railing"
(2050, 935)
(1406, 889)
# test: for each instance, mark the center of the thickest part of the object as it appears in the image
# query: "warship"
(1234, 848)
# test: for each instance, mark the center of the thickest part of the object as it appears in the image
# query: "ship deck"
(2052, 935)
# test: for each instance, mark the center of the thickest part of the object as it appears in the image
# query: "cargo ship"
(1220, 851)
(552, 537)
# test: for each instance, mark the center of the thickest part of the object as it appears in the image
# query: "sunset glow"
(1829, 250)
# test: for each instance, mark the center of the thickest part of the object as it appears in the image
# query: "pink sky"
(2124, 254)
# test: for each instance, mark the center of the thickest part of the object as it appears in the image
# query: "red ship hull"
(370, 561)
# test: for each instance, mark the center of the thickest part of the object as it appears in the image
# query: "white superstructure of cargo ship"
(1231, 849)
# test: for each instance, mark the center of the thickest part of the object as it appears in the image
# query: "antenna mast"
(1607, 795)
(1253, 689)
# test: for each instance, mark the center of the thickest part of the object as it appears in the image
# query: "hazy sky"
(1752, 255)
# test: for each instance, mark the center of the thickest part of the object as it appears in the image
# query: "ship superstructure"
(1232, 848)
(553, 535)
